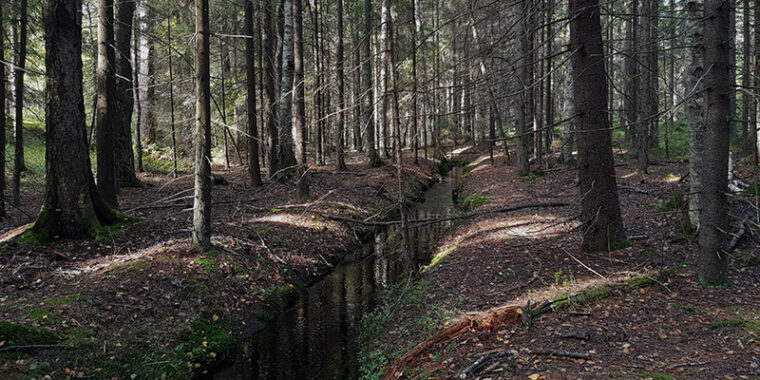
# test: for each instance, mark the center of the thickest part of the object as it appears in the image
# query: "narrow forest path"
(674, 329)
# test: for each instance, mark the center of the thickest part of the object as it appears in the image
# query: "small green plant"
(675, 202)
(656, 375)
(209, 265)
(66, 300)
(563, 279)
(622, 244)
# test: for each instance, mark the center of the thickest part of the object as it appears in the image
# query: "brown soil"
(123, 299)
(673, 329)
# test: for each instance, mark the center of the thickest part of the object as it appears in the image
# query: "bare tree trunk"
(254, 171)
(18, 130)
(3, 85)
(171, 99)
(357, 88)
(749, 105)
(340, 162)
(524, 80)
(124, 96)
(72, 207)
(299, 97)
(106, 104)
(695, 106)
(383, 81)
(285, 134)
(136, 89)
(568, 130)
(753, 135)
(202, 199)
(600, 210)
(713, 211)
(268, 41)
(642, 125)
(369, 119)
(631, 67)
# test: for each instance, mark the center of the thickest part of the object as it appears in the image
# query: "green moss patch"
(15, 334)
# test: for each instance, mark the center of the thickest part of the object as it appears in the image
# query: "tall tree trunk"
(600, 210)
(713, 211)
(106, 103)
(268, 41)
(369, 119)
(383, 80)
(749, 105)
(641, 142)
(124, 96)
(653, 62)
(72, 206)
(524, 80)
(695, 105)
(149, 122)
(202, 199)
(415, 117)
(357, 88)
(285, 149)
(299, 98)
(753, 135)
(254, 171)
(173, 125)
(340, 162)
(18, 130)
(568, 129)
(136, 89)
(3, 83)
(631, 67)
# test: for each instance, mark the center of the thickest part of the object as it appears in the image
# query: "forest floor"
(138, 302)
(672, 329)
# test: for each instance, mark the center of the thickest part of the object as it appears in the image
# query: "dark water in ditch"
(316, 337)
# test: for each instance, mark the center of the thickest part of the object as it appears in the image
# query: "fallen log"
(514, 314)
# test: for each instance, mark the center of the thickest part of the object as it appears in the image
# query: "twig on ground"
(478, 364)
(33, 347)
(563, 354)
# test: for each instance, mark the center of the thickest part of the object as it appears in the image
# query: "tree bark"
(3, 83)
(19, 164)
(369, 120)
(524, 79)
(106, 104)
(268, 41)
(136, 89)
(600, 210)
(254, 171)
(72, 207)
(713, 212)
(299, 97)
(285, 136)
(340, 162)
(124, 96)
(202, 199)
(695, 106)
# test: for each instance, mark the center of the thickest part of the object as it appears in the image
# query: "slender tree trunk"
(202, 202)
(357, 88)
(753, 135)
(171, 99)
(136, 90)
(749, 105)
(268, 41)
(124, 96)
(383, 81)
(568, 132)
(695, 106)
(369, 119)
(713, 211)
(254, 171)
(72, 207)
(285, 136)
(631, 67)
(415, 117)
(106, 104)
(642, 125)
(299, 98)
(600, 210)
(340, 162)
(18, 130)
(149, 123)
(524, 79)
(3, 85)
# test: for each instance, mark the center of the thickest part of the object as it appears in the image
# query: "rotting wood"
(514, 314)
(478, 364)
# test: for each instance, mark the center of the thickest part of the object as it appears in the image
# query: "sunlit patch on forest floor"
(671, 329)
(138, 300)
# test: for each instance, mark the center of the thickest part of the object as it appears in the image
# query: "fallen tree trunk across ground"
(515, 314)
